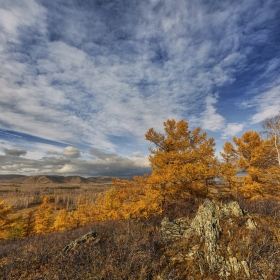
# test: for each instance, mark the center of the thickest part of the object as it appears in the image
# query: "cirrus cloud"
(128, 66)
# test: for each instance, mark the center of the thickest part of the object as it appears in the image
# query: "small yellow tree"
(107, 206)
(29, 224)
(44, 217)
(16, 227)
(228, 167)
(257, 159)
(62, 220)
(84, 212)
(5, 221)
(138, 197)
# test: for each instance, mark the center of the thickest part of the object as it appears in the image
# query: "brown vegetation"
(135, 249)
(29, 191)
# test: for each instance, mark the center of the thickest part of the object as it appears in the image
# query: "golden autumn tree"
(257, 159)
(29, 224)
(107, 206)
(16, 227)
(44, 217)
(183, 164)
(62, 220)
(111, 204)
(228, 166)
(138, 197)
(83, 213)
(20, 226)
(182, 161)
(5, 221)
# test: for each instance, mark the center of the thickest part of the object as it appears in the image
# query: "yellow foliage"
(183, 164)
(44, 217)
(4, 212)
(84, 212)
(108, 206)
(182, 160)
(62, 221)
(29, 224)
(5, 221)
(16, 228)
(258, 159)
(228, 167)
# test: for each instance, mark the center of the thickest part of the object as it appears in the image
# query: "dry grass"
(63, 195)
(122, 253)
(135, 249)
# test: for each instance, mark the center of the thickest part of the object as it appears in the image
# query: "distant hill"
(76, 179)
(10, 177)
(100, 179)
(46, 179)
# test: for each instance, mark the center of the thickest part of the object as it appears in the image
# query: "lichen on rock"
(91, 236)
(207, 227)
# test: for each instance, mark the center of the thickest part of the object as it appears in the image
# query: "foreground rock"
(208, 239)
(89, 237)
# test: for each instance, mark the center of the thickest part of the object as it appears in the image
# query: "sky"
(81, 81)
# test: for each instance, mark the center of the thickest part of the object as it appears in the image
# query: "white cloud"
(52, 152)
(68, 169)
(13, 17)
(102, 155)
(114, 93)
(210, 119)
(136, 154)
(232, 129)
(267, 104)
(71, 152)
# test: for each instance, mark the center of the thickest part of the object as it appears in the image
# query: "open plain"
(25, 192)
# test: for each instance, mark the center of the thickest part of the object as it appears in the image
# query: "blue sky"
(82, 81)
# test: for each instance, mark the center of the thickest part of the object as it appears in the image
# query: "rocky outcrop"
(206, 228)
(231, 209)
(173, 230)
(89, 237)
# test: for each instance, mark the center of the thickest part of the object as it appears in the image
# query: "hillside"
(26, 191)
(47, 179)
(8, 177)
(183, 245)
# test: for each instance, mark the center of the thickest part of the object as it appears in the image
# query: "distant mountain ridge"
(10, 177)
(46, 179)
